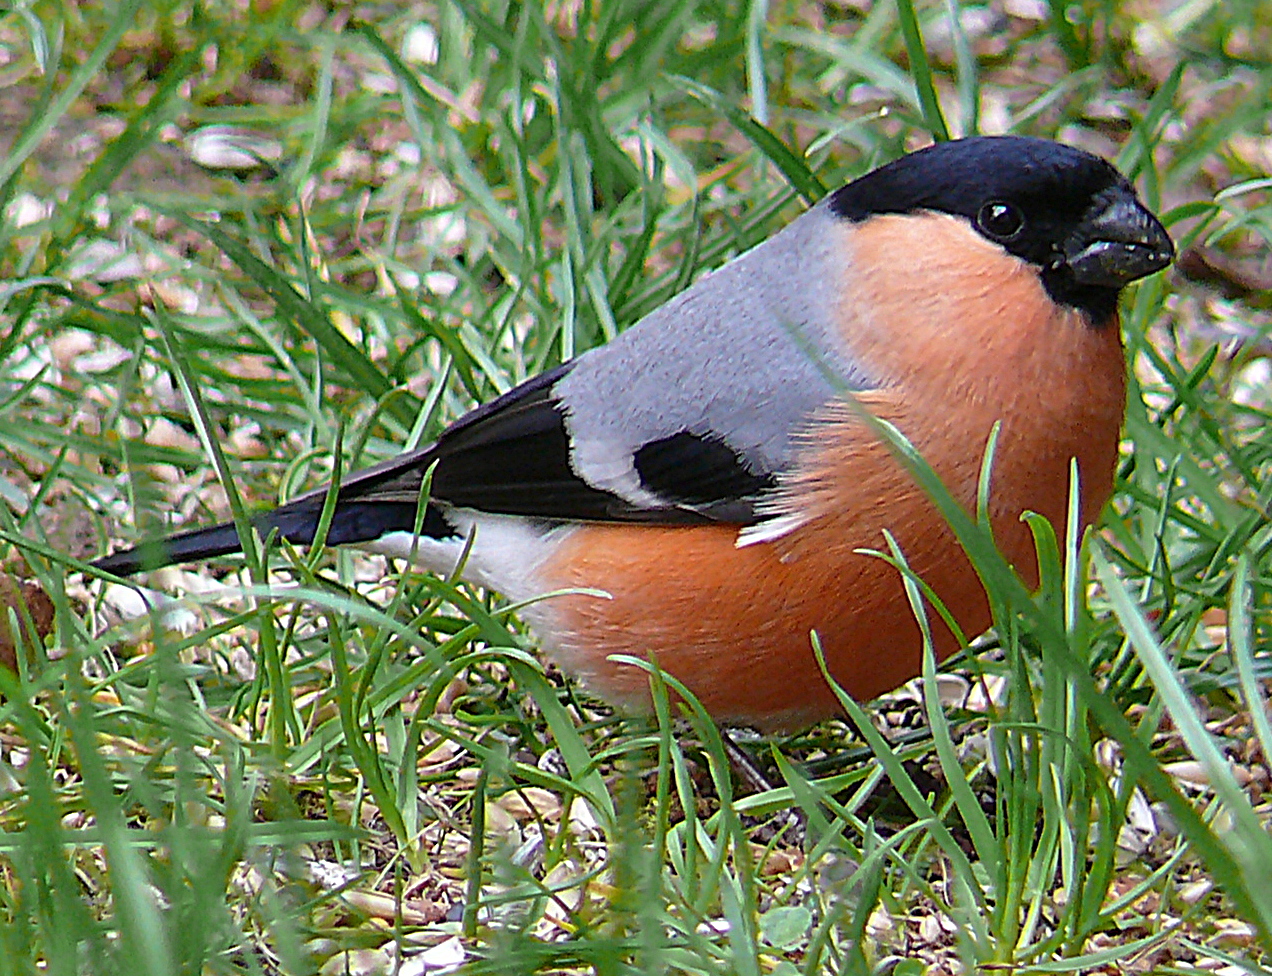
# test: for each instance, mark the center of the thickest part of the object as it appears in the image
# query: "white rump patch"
(506, 555)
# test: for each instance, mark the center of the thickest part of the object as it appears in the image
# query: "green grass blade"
(921, 71)
(43, 122)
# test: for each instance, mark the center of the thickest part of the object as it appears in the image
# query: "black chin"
(1099, 302)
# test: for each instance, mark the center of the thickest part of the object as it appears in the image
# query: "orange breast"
(970, 341)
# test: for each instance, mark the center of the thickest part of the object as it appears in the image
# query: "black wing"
(511, 456)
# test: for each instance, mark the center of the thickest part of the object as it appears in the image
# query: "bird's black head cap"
(1070, 213)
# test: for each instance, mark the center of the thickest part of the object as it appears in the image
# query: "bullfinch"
(706, 477)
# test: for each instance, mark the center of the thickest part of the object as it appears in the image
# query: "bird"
(703, 491)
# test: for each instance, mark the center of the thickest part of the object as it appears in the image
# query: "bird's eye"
(1000, 220)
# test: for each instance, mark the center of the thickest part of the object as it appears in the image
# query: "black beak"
(1119, 241)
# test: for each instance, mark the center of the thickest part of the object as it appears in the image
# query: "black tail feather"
(353, 522)
(216, 540)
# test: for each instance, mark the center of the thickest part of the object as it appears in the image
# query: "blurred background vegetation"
(242, 240)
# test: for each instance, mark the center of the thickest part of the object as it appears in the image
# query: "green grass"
(176, 785)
